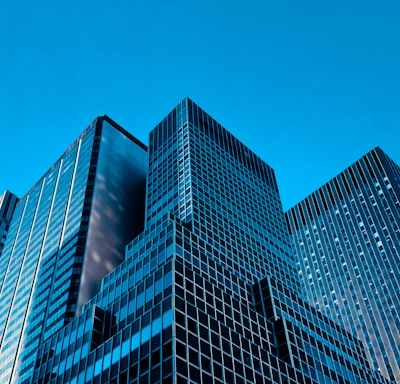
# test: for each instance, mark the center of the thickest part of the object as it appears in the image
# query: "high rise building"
(347, 241)
(209, 292)
(68, 232)
(7, 205)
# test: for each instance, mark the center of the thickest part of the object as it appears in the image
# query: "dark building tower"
(67, 233)
(347, 240)
(208, 293)
(7, 205)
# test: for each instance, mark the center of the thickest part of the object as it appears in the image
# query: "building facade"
(347, 239)
(68, 232)
(7, 205)
(209, 292)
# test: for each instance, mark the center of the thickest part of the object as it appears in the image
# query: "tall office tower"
(7, 205)
(347, 240)
(208, 293)
(68, 232)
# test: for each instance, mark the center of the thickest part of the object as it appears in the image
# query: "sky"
(309, 86)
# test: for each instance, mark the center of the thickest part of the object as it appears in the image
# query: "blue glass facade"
(209, 291)
(7, 205)
(52, 244)
(346, 236)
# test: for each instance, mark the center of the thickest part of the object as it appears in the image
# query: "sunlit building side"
(67, 233)
(347, 240)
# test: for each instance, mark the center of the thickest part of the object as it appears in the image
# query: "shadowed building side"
(7, 205)
(209, 291)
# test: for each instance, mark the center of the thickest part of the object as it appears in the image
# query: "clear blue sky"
(310, 86)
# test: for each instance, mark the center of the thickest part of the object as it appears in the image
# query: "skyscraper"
(209, 292)
(7, 205)
(68, 232)
(347, 241)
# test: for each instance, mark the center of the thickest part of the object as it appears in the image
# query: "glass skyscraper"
(67, 233)
(209, 291)
(7, 206)
(347, 241)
